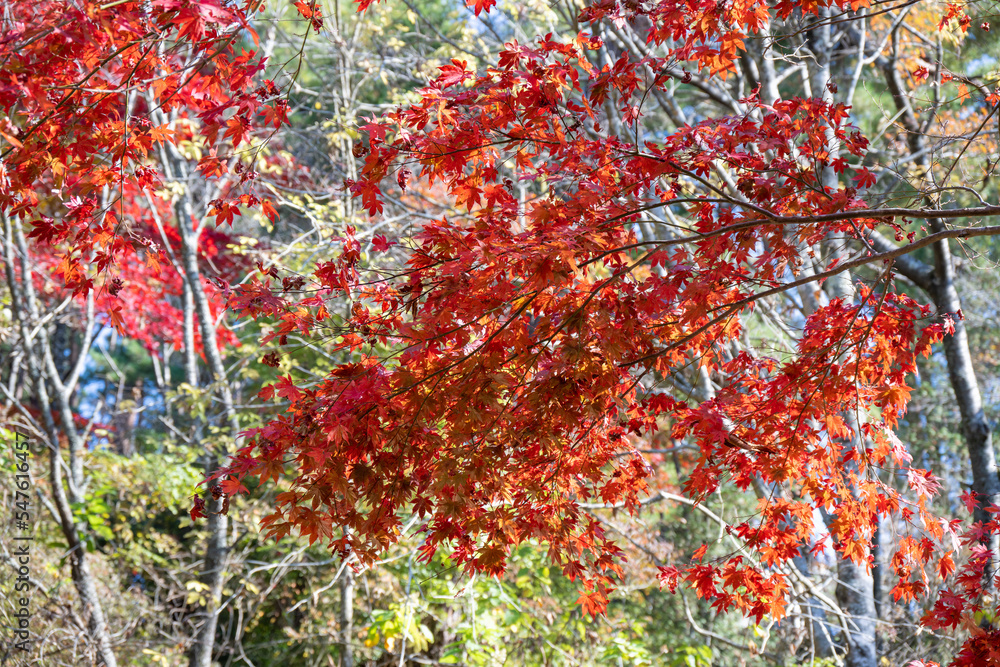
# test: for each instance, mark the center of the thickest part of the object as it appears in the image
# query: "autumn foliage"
(121, 83)
(499, 376)
(501, 363)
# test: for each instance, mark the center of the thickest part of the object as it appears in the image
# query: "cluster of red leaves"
(962, 603)
(142, 299)
(781, 424)
(708, 33)
(982, 649)
(957, 11)
(524, 336)
(82, 85)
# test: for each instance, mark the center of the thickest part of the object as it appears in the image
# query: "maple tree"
(105, 108)
(498, 366)
(500, 373)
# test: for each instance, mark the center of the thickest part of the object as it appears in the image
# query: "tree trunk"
(216, 549)
(975, 427)
(939, 284)
(44, 373)
(856, 597)
(855, 585)
(347, 617)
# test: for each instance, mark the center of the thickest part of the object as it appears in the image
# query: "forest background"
(133, 380)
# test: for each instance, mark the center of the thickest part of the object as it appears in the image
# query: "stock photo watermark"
(19, 538)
